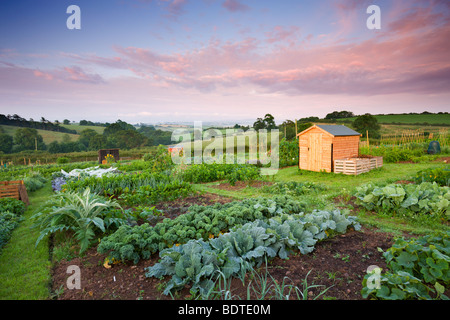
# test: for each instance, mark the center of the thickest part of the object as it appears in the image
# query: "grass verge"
(25, 270)
(340, 189)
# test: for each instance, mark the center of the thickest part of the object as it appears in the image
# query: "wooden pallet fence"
(376, 162)
(14, 189)
(355, 166)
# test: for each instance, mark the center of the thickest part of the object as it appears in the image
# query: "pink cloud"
(280, 33)
(45, 75)
(77, 74)
(234, 6)
(415, 19)
(382, 65)
(73, 73)
(402, 59)
(176, 7)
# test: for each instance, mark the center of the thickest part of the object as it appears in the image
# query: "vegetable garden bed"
(164, 217)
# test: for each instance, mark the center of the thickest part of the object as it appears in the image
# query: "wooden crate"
(376, 162)
(355, 166)
(102, 153)
(352, 166)
(14, 189)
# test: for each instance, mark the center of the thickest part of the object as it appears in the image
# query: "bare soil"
(443, 159)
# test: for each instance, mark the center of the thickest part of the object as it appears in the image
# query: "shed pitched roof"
(335, 130)
(339, 130)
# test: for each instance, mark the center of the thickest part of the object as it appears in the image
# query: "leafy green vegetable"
(12, 205)
(439, 175)
(410, 200)
(418, 269)
(236, 252)
(204, 172)
(82, 213)
(200, 222)
(8, 222)
(293, 188)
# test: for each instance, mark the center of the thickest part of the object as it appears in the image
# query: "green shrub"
(62, 160)
(288, 153)
(160, 161)
(198, 173)
(34, 181)
(394, 154)
(12, 205)
(439, 175)
(8, 222)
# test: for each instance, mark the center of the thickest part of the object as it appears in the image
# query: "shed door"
(315, 152)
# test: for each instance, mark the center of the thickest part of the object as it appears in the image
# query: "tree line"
(115, 135)
(364, 124)
(126, 136)
(44, 124)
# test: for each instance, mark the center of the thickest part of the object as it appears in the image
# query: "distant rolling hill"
(433, 119)
(47, 136)
(79, 128)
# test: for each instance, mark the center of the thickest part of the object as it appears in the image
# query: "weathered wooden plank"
(353, 166)
(14, 189)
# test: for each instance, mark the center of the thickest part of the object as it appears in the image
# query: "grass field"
(411, 118)
(400, 128)
(47, 136)
(79, 128)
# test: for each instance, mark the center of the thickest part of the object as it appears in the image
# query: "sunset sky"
(222, 60)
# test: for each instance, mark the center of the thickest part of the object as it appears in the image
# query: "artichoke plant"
(81, 212)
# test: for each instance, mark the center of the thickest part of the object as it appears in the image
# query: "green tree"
(127, 139)
(6, 143)
(303, 126)
(269, 120)
(339, 115)
(267, 123)
(28, 139)
(54, 147)
(259, 124)
(86, 135)
(118, 126)
(66, 138)
(97, 142)
(287, 128)
(369, 123)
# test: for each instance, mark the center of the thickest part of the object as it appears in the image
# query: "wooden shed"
(320, 145)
